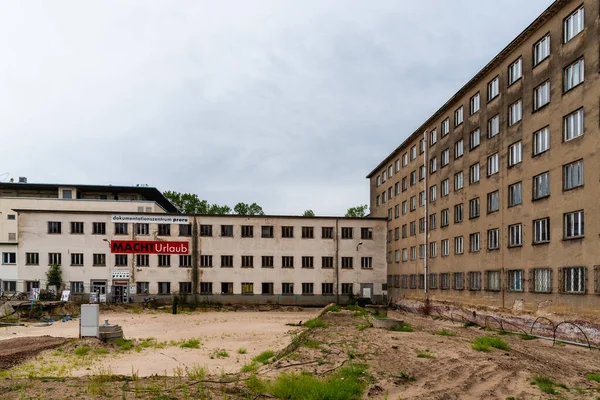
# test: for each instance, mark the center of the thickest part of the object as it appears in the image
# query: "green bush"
(190, 344)
(333, 308)
(314, 323)
(250, 367)
(81, 351)
(123, 344)
(264, 357)
(483, 343)
(546, 384)
(242, 350)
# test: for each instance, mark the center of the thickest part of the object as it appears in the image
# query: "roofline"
(24, 211)
(525, 34)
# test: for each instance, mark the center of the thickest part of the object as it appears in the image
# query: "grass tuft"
(314, 323)
(242, 350)
(333, 308)
(196, 373)
(264, 357)
(593, 377)
(406, 377)
(358, 310)
(190, 344)
(546, 384)
(483, 343)
(425, 354)
(445, 332)
(222, 354)
(82, 351)
(405, 327)
(310, 343)
(100, 351)
(364, 326)
(123, 344)
(250, 367)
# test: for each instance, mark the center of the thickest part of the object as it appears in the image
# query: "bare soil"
(16, 351)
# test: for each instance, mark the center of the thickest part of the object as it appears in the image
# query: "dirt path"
(15, 351)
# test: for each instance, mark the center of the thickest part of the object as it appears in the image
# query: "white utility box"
(90, 320)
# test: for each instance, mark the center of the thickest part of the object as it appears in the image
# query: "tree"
(245, 209)
(54, 276)
(308, 213)
(189, 203)
(357, 212)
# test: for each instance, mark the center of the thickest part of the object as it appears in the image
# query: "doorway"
(119, 291)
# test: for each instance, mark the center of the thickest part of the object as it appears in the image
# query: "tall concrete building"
(493, 200)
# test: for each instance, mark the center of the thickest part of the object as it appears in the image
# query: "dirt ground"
(16, 351)
(401, 365)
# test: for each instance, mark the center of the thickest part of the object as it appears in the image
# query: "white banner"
(151, 219)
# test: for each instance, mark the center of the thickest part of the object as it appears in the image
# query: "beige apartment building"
(220, 258)
(493, 200)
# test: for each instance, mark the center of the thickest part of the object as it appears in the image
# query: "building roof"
(539, 21)
(149, 193)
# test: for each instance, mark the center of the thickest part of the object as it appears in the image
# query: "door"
(366, 290)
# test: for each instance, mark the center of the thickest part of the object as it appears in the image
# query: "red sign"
(147, 247)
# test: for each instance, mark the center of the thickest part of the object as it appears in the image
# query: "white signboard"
(93, 297)
(151, 219)
(34, 294)
(102, 298)
(120, 274)
(131, 289)
(65, 295)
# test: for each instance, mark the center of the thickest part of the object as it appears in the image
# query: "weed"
(483, 343)
(81, 351)
(406, 377)
(445, 332)
(405, 327)
(314, 323)
(311, 343)
(593, 377)
(123, 344)
(527, 337)
(97, 382)
(546, 384)
(333, 308)
(100, 351)
(190, 344)
(358, 310)
(364, 326)
(196, 373)
(250, 367)
(241, 350)
(222, 354)
(425, 354)
(380, 315)
(264, 357)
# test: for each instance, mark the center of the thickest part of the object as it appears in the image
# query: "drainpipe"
(195, 256)
(337, 271)
(426, 230)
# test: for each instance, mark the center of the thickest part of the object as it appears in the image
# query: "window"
(474, 139)
(247, 231)
(227, 261)
(475, 103)
(206, 261)
(541, 185)
(396, 233)
(422, 224)
(541, 141)
(422, 172)
(185, 287)
(404, 159)
(307, 262)
(458, 181)
(493, 239)
(142, 229)
(515, 280)
(515, 194)
(397, 256)
(573, 279)
(404, 207)
(541, 95)
(98, 228)
(573, 125)
(433, 193)
(77, 288)
(12, 217)
(206, 288)
(383, 176)
(404, 255)
(493, 201)
(307, 288)
(422, 198)
(32, 258)
(67, 194)
(573, 75)
(327, 232)
(458, 116)
(432, 137)
(287, 288)
(494, 88)
(458, 280)
(573, 24)
(120, 228)
(445, 247)
(445, 127)
(413, 253)
(77, 259)
(9, 258)
(366, 262)
(433, 249)
(458, 213)
(247, 261)
(445, 216)
(413, 281)
(542, 280)
(9, 286)
(445, 157)
(404, 184)
(475, 280)
(445, 281)
(404, 234)
(347, 288)
(390, 170)
(413, 203)
(366, 233)
(433, 165)
(164, 260)
(378, 181)
(397, 189)
(515, 112)
(413, 153)
(422, 146)
(515, 235)
(515, 71)
(287, 231)
(142, 260)
(541, 230)
(474, 242)
(185, 230)
(206, 230)
(458, 149)
(247, 288)
(574, 223)
(541, 50)
(413, 228)
(287, 262)
(397, 211)
(54, 259)
(474, 208)
(54, 227)
(493, 126)
(226, 230)
(307, 232)
(573, 175)
(397, 165)
(99, 260)
(458, 245)
(347, 263)
(474, 173)
(347, 233)
(445, 187)
(185, 261)
(492, 281)
(492, 164)
(413, 178)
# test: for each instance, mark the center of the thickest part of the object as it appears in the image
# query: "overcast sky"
(289, 104)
